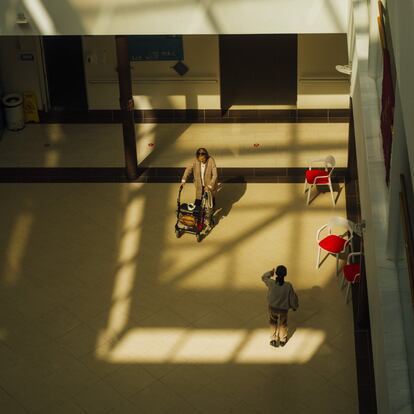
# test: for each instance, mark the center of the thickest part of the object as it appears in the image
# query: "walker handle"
(179, 193)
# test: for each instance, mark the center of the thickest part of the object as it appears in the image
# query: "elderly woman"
(204, 171)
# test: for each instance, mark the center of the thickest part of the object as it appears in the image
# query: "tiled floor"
(103, 310)
(173, 145)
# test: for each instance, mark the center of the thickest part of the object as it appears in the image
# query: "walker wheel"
(199, 238)
(178, 233)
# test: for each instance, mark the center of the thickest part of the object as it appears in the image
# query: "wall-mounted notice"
(26, 56)
(159, 47)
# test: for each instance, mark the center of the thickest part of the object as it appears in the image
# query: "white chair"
(334, 243)
(320, 176)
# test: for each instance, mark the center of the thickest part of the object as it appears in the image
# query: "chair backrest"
(330, 161)
(337, 221)
(318, 159)
(353, 256)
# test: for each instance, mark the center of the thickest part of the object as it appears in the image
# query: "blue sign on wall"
(159, 47)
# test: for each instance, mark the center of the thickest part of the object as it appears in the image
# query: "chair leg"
(351, 247)
(332, 194)
(348, 288)
(342, 281)
(304, 187)
(318, 258)
(337, 264)
(309, 193)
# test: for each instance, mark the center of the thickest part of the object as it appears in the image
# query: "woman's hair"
(202, 151)
(281, 272)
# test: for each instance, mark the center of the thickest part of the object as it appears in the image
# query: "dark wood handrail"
(408, 233)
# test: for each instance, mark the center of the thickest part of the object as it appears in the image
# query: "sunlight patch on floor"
(17, 247)
(239, 248)
(126, 274)
(210, 346)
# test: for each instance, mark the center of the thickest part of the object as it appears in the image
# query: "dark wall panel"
(65, 72)
(258, 69)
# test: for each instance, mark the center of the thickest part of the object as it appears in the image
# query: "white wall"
(18, 75)
(319, 84)
(402, 157)
(401, 16)
(155, 84)
(393, 387)
(174, 16)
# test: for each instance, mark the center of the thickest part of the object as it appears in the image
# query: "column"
(127, 106)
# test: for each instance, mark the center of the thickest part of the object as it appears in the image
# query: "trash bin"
(13, 109)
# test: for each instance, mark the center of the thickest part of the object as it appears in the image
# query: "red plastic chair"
(333, 243)
(320, 176)
(351, 272)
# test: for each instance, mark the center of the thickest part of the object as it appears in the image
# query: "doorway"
(65, 72)
(258, 70)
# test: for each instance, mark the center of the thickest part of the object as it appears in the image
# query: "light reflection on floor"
(210, 346)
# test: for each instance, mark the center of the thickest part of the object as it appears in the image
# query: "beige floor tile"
(9, 405)
(62, 407)
(345, 343)
(132, 316)
(212, 399)
(300, 381)
(35, 368)
(245, 382)
(244, 307)
(27, 341)
(330, 399)
(322, 362)
(217, 319)
(187, 379)
(86, 272)
(124, 407)
(32, 302)
(129, 379)
(142, 309)
(182, 304)
(328, 323)
(270, 404)
(88, 303)
(98, 398)
(159, 398)
(71, 375)
(79, 341)
(346, 380)
(178, 293)
(280, 145)
(98, 366)
(159, 371)
(29, 389)
(60, 281)
(8, 358)
(165, 317)
(57, 322)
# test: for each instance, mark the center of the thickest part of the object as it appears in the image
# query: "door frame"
(42, 75)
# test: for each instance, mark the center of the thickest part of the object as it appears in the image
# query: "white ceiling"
(174, 16)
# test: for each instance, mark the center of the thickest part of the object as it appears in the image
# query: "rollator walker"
(195, 218)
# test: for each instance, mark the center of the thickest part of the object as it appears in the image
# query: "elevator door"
(258, 70)
(65, 72)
